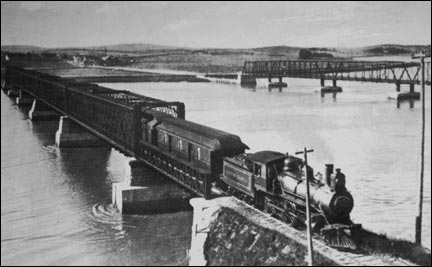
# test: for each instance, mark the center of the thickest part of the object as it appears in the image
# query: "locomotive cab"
(267, 166)
(251, 172)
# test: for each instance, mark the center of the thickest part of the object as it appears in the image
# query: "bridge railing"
(111, 114)
(114, 116)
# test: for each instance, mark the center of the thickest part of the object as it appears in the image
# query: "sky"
(215, 24)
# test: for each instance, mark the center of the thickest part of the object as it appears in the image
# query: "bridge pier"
(408, 96)
(248, 80)
(71, 134)
(149, 200)
(322, 79)
(13, 92)
(24, 99)
(279, 84)
(41, 111)
(334, 82)
(331, 90)
(145, 195)
(398, 86)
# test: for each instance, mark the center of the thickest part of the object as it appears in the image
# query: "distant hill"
(21, 48)
(385, 50)
(144, 48)
(135, 48)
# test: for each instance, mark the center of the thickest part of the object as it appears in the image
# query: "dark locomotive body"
(275, 183)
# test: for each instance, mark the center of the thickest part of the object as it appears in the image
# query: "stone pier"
(279, 84)
(13, 92)
(248, 80)
(41, 111)
(331, 90)
(24, 99)
(148, 192)
(407, 96)
(71, 134)
(149, 200)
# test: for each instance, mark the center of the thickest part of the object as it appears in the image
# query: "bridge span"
(116, 117)
(396, 72)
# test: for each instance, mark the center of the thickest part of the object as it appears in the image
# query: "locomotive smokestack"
(328, 173)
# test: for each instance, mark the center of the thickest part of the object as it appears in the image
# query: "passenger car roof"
(229, 144)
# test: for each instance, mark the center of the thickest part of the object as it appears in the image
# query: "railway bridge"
(115, 117)
(396, 72)
(92, 115)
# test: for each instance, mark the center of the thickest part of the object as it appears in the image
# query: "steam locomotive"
(271, 181)
(275, 182)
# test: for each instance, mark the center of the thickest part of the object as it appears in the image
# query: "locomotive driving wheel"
(286, 214)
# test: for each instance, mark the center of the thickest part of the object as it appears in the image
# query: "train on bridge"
(198, 157)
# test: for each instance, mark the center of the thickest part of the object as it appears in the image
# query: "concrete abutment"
(71, 134)
(41, 111)
(24, 99)
(142, 193)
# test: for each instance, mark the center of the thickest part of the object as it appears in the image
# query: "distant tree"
(305, 54)
(376, 50)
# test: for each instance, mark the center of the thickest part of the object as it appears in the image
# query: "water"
(49, 195)
(50, 200)
(362, 131)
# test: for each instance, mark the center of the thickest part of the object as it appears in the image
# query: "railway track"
(343, 258)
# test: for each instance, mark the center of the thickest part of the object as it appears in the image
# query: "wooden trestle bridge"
(396, 72)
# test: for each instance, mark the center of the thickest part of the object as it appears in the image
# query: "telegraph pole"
(308, 217)
(418, 221)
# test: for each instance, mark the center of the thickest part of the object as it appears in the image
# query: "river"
(362, 132)
(49, 195)
(50, 200)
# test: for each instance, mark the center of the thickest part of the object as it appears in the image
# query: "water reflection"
(333, 99)
(410, 102)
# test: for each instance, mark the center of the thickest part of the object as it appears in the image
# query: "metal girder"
(111, 114)
(366, 71)
(198, 182)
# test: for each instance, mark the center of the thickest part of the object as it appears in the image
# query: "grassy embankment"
(235, 240)
(64, 69)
